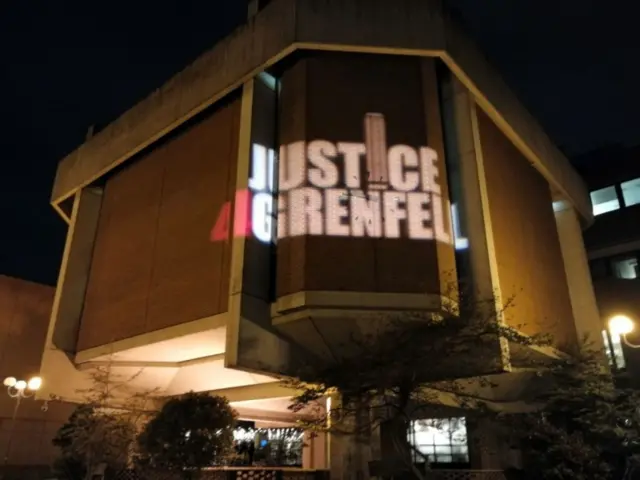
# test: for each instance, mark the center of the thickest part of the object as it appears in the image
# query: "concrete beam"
(74, 271)
(583, 300)
(148, 339)
(261, 391)
(142, 364)
(403, 27)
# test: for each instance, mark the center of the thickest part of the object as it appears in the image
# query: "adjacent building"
(613, 244)
(25, 432)
(326, 162)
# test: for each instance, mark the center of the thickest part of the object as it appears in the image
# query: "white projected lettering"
(344, 189)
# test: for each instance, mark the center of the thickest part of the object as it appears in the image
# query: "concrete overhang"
(402, 27)
(185, 342)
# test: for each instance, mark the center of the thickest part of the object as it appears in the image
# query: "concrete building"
(25, 444)
(613, 245)
(326, 161)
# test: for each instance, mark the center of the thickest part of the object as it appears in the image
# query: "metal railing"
(466, 475)
(267, 473)
(232, 473)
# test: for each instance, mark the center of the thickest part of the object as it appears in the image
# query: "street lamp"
(19, 389)
(622, 325)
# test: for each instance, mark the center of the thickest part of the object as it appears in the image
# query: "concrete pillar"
(349, 454)
(251, 343)
(307, 450)
(75, 276)
(435, 140)
(488, 448)
(64, 325)
(583, 301)
(477, 264)
(349, 459)
(314, 453)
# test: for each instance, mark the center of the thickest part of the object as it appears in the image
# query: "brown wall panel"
(326, 97)
(191, 274)
(153, 264)
(530, 264)
(117, 291)
(292, 127)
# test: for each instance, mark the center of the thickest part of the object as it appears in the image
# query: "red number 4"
(242, 218)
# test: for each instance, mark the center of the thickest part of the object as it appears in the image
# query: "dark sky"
(66, 65)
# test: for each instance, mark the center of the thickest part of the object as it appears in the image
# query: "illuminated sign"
(342, 189)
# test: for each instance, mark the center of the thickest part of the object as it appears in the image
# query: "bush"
(190, 432)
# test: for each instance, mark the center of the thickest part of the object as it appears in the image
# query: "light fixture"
(622, 325)
(10, 381)
(19, 389)
(34, 383)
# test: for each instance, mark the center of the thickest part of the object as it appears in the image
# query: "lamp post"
(623, 325)
(18, 389)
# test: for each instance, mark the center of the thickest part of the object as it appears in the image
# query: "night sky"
(67, 65)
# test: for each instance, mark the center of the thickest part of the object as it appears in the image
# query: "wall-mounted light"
(622, 325)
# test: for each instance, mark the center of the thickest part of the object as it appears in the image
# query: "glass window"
(626, 268)
(607, 347)
(441, 440)
(461, 242)
(613, 348)
(631, 192)
(604, 200)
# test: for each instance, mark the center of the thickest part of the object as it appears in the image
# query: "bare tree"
(407, 364)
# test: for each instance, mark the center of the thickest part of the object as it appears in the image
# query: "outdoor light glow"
(21, 385)
(34, 384)
(10, 382)
(320, 188)
(621, 325)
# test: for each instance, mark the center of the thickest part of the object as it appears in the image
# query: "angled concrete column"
(435, 140)
(477, 264)
(74, 270)
(583, 301)
(62, 336)
(251, 343)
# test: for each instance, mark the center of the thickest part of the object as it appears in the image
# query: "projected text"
(346, 189)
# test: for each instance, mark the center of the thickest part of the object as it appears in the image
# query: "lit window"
(441, 440)
(604, 200)
(613, 348)
(268, 79)
(631, 192)
(559, 206)
(626, 268)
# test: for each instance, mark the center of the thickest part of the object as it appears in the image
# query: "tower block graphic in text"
(375, 139)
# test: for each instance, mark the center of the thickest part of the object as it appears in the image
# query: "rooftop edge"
(404, 27)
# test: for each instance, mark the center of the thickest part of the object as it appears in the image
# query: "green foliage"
(101, 430)
(585, 427)
(90, 438)
(190, 432)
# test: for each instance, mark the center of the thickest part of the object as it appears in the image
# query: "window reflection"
(626, 268)
(442, 440)
(631, 192)
(605, 200)
(613, 349)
